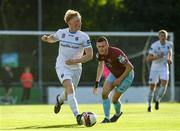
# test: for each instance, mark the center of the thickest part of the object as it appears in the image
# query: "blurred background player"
(72, 44)
(7, 77)
(121, 76)
(160, 54)
(27, 83)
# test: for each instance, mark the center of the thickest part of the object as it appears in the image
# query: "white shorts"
(65, 73)
(154, 76)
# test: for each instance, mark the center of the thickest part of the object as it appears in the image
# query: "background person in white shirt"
(160, 54)
(74, 48)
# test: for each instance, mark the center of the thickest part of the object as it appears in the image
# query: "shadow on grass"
(49, 126)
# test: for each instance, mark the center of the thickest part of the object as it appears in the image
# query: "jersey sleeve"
(152, 49)
(170, 45)
(122, 58)
(57, 35)
(86, 41)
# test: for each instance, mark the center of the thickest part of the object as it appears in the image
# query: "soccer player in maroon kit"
(120, 77)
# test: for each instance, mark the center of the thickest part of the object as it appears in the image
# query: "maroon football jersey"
(114, 60)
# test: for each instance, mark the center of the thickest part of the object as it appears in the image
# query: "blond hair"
(70, 14)
(164, 31)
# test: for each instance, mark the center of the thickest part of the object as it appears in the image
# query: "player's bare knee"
(153, 87)
(104, 96)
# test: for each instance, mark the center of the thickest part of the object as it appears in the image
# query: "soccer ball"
(88, 119)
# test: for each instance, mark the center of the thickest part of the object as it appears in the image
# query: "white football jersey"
(156, 49)
(71, 46)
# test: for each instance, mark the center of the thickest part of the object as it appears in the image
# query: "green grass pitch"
(135, 117)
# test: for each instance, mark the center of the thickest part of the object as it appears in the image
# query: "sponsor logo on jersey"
(71, 35)
(69, 45)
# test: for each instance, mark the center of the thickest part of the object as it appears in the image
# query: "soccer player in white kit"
(74, 48)
(160, 54)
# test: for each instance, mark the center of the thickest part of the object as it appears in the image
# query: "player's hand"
(95, 91)
(44, 38)
(169, 61)
(161, 55)
(70, 62)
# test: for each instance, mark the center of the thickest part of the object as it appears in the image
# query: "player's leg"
(8, 90)
(160, 93)
(62, 96)
(28, 94)
(117, 106)
(67, 77)
(151, 96)
(124, 85)
(153, 79)
(71, 96)
(107, 88)
(75, 80)
(164, 78)
(23, 95)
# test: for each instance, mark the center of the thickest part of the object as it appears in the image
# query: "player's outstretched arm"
(98, 76)
(48, 38)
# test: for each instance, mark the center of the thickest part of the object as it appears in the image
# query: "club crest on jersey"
(76, 38)
(62, 75)
(88, 42)
(122, 59)
(63, 35)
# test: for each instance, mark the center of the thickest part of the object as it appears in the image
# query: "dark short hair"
(102, 38)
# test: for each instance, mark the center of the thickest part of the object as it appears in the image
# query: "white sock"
(73, 104)
(62, 97)
(160, 93)
(150, 97)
